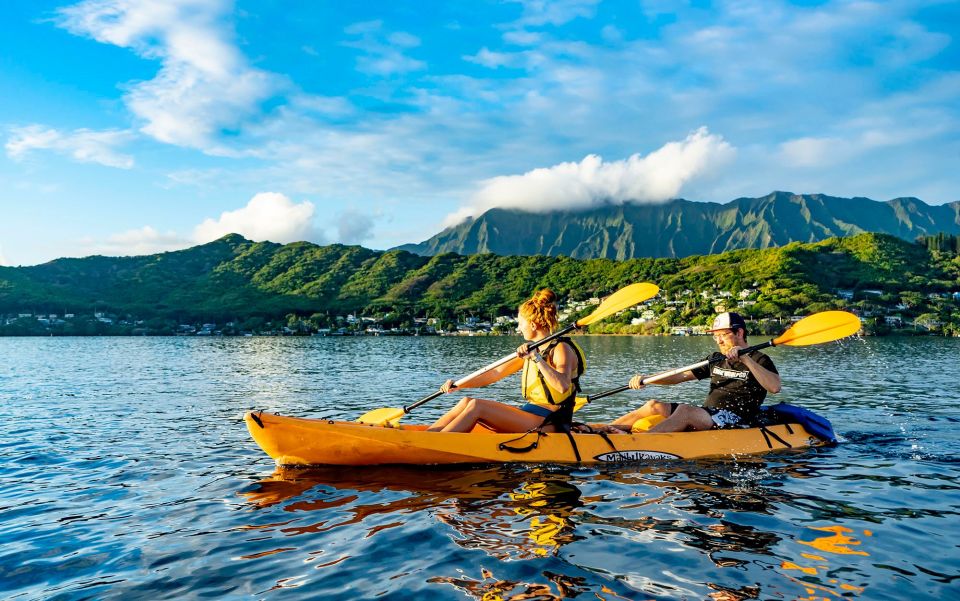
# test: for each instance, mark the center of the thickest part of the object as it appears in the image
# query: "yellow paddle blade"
(624, 298)
(820, 327)
(382, 416)
(580, 403)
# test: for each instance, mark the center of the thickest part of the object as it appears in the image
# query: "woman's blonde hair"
(541, 309)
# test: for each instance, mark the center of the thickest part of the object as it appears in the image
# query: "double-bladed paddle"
(618, 301)
(826, 326)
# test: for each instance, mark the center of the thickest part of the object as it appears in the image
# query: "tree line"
(242, 282)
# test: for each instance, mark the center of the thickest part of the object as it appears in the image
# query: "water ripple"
(129, 474)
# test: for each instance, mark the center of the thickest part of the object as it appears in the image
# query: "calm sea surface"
(128, 473)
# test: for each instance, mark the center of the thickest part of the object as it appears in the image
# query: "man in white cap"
(738, 385)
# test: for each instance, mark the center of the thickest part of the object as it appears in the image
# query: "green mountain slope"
(233, 278)
(682, 228)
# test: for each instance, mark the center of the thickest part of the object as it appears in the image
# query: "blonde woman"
(549, 380)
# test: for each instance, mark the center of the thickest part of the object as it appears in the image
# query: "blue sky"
(132, 126)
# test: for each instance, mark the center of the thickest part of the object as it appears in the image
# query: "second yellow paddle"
(825, 326)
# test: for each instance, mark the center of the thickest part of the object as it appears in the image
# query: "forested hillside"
(233, 279)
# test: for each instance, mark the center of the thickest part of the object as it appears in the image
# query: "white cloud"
(323, 106)
(142, 241)
(3, 259)
(556, 12)
(383, 52)
(403, 39)
(487, 58)
(268, 216)
(612, 34)
(83, 145)
(859, 137)
(204, 85)
(813, 152)
(657, 177)
(749, 70)
(522, 38)
(354, 227)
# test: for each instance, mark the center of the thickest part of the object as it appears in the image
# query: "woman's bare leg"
(500, 417)
(441, 423)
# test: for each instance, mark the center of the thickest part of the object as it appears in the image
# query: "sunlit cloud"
(859, 137)
(268, 216)
(82, 145)
(656, 177)
(204, 85)
(846, 98)
(140, 241)
(812, 152)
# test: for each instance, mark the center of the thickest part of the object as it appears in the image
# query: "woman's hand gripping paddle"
(618, 301)
(826, 326)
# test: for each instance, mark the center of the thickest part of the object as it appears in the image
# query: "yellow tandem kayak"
(301, 441)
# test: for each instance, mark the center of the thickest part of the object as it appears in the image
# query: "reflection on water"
(128, 474)
(489, 588)
(818, 578)
(492, 509)
(511, 514)
(506, 513)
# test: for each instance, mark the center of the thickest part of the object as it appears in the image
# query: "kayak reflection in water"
(549, 381)
(509, 513)
(535, 519)
(738, 386)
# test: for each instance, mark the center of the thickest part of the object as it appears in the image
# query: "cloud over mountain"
(268, 216)
(656, 177)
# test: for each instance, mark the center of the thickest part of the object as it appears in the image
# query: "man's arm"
(770, 380)
(685, 376)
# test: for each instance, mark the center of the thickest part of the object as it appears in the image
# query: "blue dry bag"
(811, 422)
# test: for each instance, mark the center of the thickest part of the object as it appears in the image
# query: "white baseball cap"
(728, 321)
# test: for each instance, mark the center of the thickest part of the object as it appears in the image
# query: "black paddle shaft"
(679, 370)
(533, 345)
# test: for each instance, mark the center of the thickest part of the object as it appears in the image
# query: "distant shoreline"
(585, 334)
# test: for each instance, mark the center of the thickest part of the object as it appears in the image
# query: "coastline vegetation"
(235, 286)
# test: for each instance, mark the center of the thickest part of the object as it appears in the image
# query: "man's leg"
(685, 417)
(649, 408)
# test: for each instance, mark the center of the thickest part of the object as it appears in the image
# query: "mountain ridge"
(681, 228)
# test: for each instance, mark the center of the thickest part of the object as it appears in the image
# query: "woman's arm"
(487, 377)
(559, 375)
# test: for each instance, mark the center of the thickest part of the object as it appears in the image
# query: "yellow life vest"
(534, 388)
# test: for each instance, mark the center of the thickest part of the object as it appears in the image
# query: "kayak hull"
(301, 441)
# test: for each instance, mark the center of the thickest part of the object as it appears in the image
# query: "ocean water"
(128, 473)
